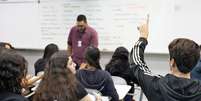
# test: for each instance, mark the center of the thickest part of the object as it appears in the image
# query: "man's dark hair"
(81, 17)
(185, 52)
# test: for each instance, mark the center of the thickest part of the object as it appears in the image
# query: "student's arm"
(110, 88)
(34, 79)
(88, 98)
(81, 93)
(30, 80)
(71, 65)
(140, 72)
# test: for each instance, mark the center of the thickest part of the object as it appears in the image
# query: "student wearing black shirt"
(176, 85)
(41, 63)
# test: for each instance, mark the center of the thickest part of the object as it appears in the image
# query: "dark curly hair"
(13, 68)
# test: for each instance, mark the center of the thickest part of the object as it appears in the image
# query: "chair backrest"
(119, 80)
(93, 91)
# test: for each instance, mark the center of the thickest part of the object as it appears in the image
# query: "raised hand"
(144, 28)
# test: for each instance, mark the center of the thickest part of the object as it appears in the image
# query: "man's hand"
(144, 29)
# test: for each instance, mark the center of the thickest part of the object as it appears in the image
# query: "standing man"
(80, 37)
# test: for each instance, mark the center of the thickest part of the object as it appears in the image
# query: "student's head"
(119, 62)
(6, 45)
(50, 49)
(92, 56)
(13, 69)
(81, 22)
(184, 54)
(121, 53)
(119, 58)
(58, 83)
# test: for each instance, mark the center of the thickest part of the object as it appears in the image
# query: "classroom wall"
(157, 62)
(116, 22)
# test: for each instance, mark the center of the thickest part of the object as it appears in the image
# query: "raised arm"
(137, 53)
(140, 72)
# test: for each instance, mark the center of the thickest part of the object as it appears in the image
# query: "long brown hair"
(59, 83)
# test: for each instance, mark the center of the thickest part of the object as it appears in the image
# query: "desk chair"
(94, 92)
(119, 80)
(138, 94)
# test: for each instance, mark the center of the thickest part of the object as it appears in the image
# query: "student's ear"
(172, 64)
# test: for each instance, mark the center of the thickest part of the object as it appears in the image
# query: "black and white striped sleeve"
(140, 73)
(137, 55)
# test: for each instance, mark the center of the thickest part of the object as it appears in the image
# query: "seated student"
(119, 66)
(196, 72)
(29, 80)
(41, 63)
(13, 69)
(175, 86)
(59, 83)
(93, 77)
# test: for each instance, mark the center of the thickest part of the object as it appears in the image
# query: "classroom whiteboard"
(32, 24)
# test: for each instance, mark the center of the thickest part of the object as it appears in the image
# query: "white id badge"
(79, 43)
